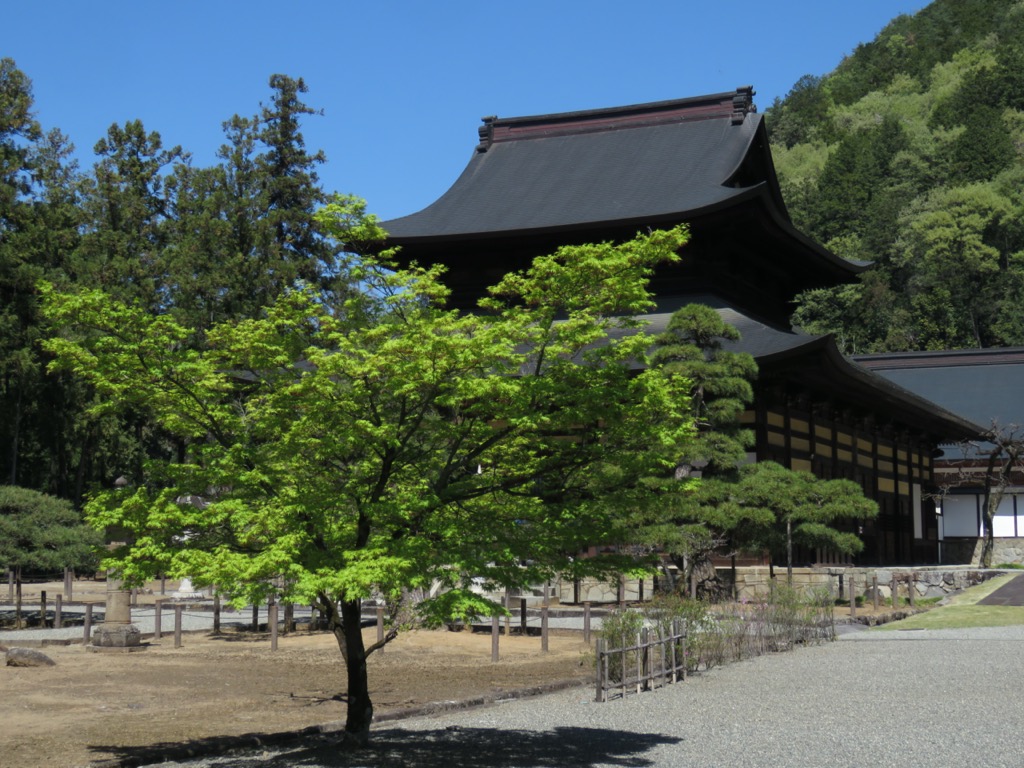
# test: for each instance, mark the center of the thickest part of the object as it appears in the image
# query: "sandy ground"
(93, 706)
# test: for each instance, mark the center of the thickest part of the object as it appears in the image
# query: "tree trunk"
(345, 624)
(789, 552)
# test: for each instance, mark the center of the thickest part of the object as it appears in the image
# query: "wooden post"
(853, 597)
(57, 605)
(841, 586)
(874, 589)
(42, 609)
(87, 625)
(177, 625)
(255, 618)
(216, 613)
(911, 589)
(601, 666)
(67, 583)
(495, 634)
(522, 615)
(894, 587)
(544, 628)
(158, 619)
(508, 614)
(641, 654)
(586, 622)
(10, 585)
(380, 627)
(272, 623)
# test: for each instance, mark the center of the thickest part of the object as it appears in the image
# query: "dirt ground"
(97, 706)
(94, 707)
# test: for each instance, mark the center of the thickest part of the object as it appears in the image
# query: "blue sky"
(403, 84)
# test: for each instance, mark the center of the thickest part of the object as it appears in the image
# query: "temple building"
(985, 386)
(535, 183)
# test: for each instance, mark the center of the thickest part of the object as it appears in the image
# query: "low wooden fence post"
(157, 619)
(42, 609)
(586, 622)
(255, 617)
(894, 587)
(522, 616)
(58, 619)
(544, 628)
(495, 633)
(177, 625)
(911, 588)
(853, 597)
(874, 590)
(87, 625)
(216, 613)
(272, 624)
(602, 672)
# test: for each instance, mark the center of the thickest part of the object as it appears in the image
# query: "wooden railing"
(657, 657)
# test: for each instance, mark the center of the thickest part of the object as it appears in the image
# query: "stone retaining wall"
(754, 582)
(930, 581)
(968, 550)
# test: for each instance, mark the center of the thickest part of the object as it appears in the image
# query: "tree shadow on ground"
(438, 748)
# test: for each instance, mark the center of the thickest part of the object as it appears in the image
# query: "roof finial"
(742, 103)
(486, 132)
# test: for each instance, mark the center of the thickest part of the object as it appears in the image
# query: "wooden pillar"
(157, 617)
(87, 625)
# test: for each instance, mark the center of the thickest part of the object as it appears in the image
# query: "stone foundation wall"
(754, 583)
(593, 591)
(968, 551)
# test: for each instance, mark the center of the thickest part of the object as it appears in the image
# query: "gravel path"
(914, 698)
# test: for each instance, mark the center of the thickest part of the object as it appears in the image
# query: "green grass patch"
(962, 611)
(960, 617)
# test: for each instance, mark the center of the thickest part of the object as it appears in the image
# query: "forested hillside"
(144, 225)
(911, 155)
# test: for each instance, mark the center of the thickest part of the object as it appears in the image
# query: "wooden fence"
(658, 657)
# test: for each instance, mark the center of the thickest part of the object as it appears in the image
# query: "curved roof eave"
(668, 218)
(955, 427)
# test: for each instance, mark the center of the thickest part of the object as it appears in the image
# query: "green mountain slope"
(911, 155)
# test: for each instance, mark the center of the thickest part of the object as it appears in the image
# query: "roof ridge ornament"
(743, 103)
(486, 132)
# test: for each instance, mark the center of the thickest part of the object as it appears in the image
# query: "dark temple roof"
(983, 385)
(816, 363)
(608, 165)
(649, 164)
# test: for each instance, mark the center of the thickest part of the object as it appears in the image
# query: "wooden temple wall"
(892, 466)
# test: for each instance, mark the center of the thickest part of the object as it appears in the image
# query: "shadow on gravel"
(439, 748)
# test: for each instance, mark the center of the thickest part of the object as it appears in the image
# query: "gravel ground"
(914, 698)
